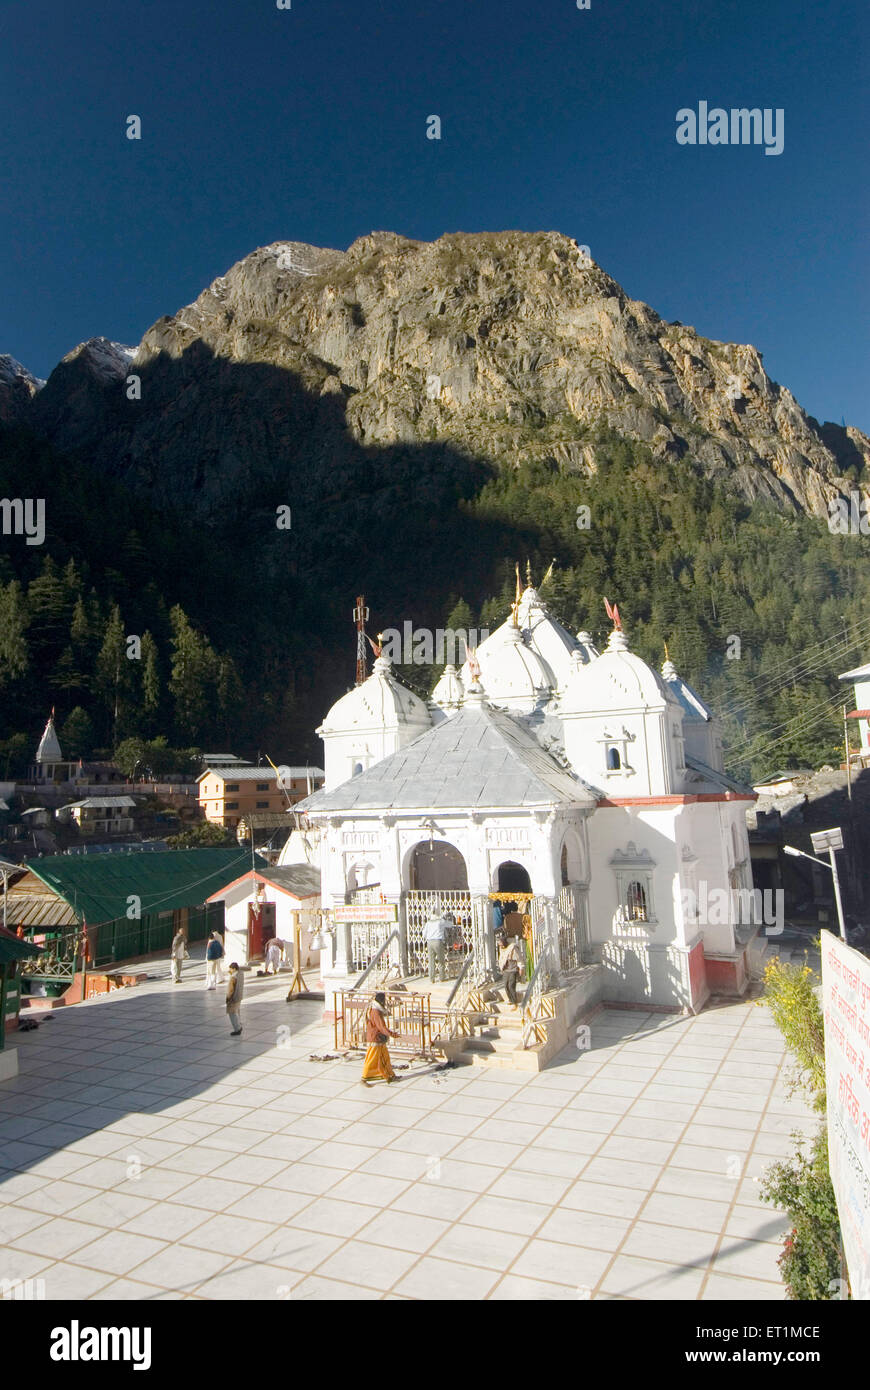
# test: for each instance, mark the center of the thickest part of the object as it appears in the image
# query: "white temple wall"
(651, 830)
(641, 737)
(345, 751)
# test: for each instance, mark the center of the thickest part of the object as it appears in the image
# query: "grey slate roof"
(303, 880)
(480, 757)
(719, 779)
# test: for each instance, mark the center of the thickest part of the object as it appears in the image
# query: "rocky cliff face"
(508, 346)
(18, 386)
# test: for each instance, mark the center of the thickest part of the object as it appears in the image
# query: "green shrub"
(790, 994)
(810, 1260)
(810, 1263)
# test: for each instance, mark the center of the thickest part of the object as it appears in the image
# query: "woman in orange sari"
(377, 1061)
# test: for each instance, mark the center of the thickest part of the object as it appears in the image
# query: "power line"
(791, 729)
(802, 668)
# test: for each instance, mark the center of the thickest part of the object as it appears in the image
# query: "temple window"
(635, 903)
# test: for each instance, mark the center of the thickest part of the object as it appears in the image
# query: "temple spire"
(613, 615)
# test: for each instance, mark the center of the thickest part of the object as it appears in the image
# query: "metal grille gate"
(421, 904)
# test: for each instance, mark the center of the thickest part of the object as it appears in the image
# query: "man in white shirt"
(435, 936)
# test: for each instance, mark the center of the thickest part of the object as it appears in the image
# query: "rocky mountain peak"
(509, 346)
(18, 386)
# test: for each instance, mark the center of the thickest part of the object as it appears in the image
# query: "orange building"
(226, 794)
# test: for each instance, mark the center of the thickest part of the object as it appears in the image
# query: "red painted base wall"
(725, 976)
(698, 978)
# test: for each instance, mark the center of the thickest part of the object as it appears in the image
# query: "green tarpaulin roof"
(98, 886)
(12, 948)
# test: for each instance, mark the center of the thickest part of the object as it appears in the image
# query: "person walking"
(273, 956)
(214, 954)
(378, 1031)
(235, 991)
(510, 962)
(435, 935)
(177, 952)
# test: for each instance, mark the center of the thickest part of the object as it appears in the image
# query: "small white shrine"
(587, 786)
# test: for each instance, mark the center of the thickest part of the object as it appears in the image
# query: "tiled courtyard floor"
(144, 1153)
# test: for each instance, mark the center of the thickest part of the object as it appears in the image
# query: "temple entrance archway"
(437, 865)
(512, 877)
(438, 884)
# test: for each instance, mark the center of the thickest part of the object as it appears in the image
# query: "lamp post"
(830, 840)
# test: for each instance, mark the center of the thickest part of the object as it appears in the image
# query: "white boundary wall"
(846, 997)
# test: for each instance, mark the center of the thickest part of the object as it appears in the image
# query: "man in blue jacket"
(214, 953)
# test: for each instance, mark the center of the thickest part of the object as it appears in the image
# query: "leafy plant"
(810, 1262)
(790, 994)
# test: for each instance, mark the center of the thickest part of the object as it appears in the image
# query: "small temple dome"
(381, 702)
(615, 679)
(448, 691)
(545, 634)
(585, 648)
(511, 671)
(693, 706)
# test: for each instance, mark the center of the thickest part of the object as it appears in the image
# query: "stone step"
(518, 1059)
(503, 1046)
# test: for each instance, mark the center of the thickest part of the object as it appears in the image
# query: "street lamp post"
(830, 840)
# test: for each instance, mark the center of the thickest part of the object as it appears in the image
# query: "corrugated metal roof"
(259, 774)
(98, 886)
(99, 802)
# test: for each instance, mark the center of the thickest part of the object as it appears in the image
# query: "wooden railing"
(60, 960)
(408, 1015)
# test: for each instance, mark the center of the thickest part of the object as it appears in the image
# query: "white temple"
(49, 765)
(585, 782)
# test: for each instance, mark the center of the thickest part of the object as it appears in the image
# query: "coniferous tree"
(14, 651)
(77, 734)
(193, 678)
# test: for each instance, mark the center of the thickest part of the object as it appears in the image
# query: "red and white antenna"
(360, 617)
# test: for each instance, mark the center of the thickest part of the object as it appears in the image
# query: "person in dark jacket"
(235, 991)
(214, 954)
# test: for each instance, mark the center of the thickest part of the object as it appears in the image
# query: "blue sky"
(309, 124)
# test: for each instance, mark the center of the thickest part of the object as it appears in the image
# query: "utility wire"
(801, 669)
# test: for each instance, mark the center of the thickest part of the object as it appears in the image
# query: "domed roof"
(586, 649)
(449, 691)
(379, 703)
(546, 636)
(617, 679)
(511, 671)
(693, 706)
